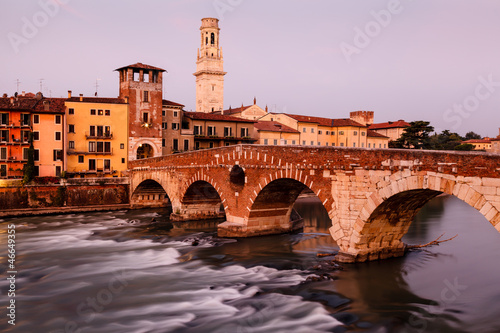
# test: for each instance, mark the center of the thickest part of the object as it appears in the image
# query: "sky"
(433, 60)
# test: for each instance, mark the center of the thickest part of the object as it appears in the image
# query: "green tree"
(445, 140)
(29, 167)
(465, 146)
(415, 136)
(471, 135)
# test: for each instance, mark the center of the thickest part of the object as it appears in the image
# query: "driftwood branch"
(437, 241)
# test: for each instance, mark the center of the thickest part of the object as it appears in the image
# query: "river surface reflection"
(118, 272)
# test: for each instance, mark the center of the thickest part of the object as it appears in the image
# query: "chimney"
(81, 97)
(254, 100)
(23, 93)
(69, 93)
(12, 100)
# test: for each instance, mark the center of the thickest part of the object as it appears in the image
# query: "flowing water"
(118, 272)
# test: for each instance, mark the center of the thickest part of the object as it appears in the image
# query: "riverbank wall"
(65, 195)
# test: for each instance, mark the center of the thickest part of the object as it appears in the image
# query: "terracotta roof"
(167, 102)
(373, 134)
(324, 121)
(477, 141)
(235, 110)
(56, 105)
(390, 124)
(97, 100)
(140, 65)
(215, 117)
(273, 126)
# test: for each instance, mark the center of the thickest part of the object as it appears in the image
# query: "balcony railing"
(105, 135)
(72, 151)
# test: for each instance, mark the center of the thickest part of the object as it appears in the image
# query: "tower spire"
(209, 69)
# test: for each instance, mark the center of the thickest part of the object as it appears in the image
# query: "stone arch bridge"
(371, 195)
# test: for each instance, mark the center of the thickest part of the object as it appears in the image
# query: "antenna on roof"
(96, 85)
(17, 84)
(41, 84)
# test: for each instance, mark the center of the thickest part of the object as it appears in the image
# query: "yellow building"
(274, 133)
(318, 131)
(479, 144)
(97, 136)
(391, 129)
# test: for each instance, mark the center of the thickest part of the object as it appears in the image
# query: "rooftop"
(373, 134)
(167, 102)
(325, 121)
(140, 65)
(108, 100)
(215, 117)
(274, 126)
(390, 124)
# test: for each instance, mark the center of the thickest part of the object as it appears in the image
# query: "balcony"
(105, 135)
(72, 151)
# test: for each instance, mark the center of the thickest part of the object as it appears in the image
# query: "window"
(196, 145)
(332, 133)
(363, 133)
(354, 144)
(228, 131)
(312, 130)
(4, 136)
(327, 144)
(320, 132)
(362, 145)
(57, 155)
(100, 112)
(163, 143)
(25, 119)
(211, 144)
(4, 118)
(312, 143)
(303, 142)
(71, 144)
(341, 144)
(25, 136)
(275, 142)
(175, 126)
(198, 130)
(285, 142)
(107, 147)
(3, 153)
(107, 165)
(164, 125)
(175, 145)
(92, 147)
(163, 113)
(80, 159)
(266, 141)
(186, 145)
(176, 114)
(71, 111)
(303, 129)
(385, 145)
(107, 131)
(3, 170)
(293, 142)
(211, 131)
(319, 143)
(380, 145)
(36, 155)
(145, 117)
(100, 131)
(71, 128)
(107, 112)
(36, 119)
(327, 133)
(58, 136)
(146, 96)
(145, 77)
(92, 164)
(122, 146)
(123, 159)
(355, 133)
(341, 132)
(92, 112)
(100, 147)
(58, 171)
(369, 145)
(244, 132)
(58, 119)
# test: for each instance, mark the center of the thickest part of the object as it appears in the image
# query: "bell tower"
(209, 69)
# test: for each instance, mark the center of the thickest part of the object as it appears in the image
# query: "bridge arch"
(149, 193)
(199, 200)
(272, 207)
(388, 212)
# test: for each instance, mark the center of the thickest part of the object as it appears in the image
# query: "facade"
(274, 133)
(42, 119)
(480, 144)
(176, 137)
(391, 129)
(213, 130)
(97, 136)
(141, 88)
(318, 131)
(209, 69)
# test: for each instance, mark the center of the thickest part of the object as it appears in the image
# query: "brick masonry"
(370, 195)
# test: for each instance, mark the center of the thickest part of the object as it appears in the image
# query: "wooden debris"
(437, 241)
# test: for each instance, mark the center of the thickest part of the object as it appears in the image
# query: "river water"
(118, 272)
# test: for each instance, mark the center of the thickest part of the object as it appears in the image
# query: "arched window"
(212, 38)
(144, 151)
(206, 40)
